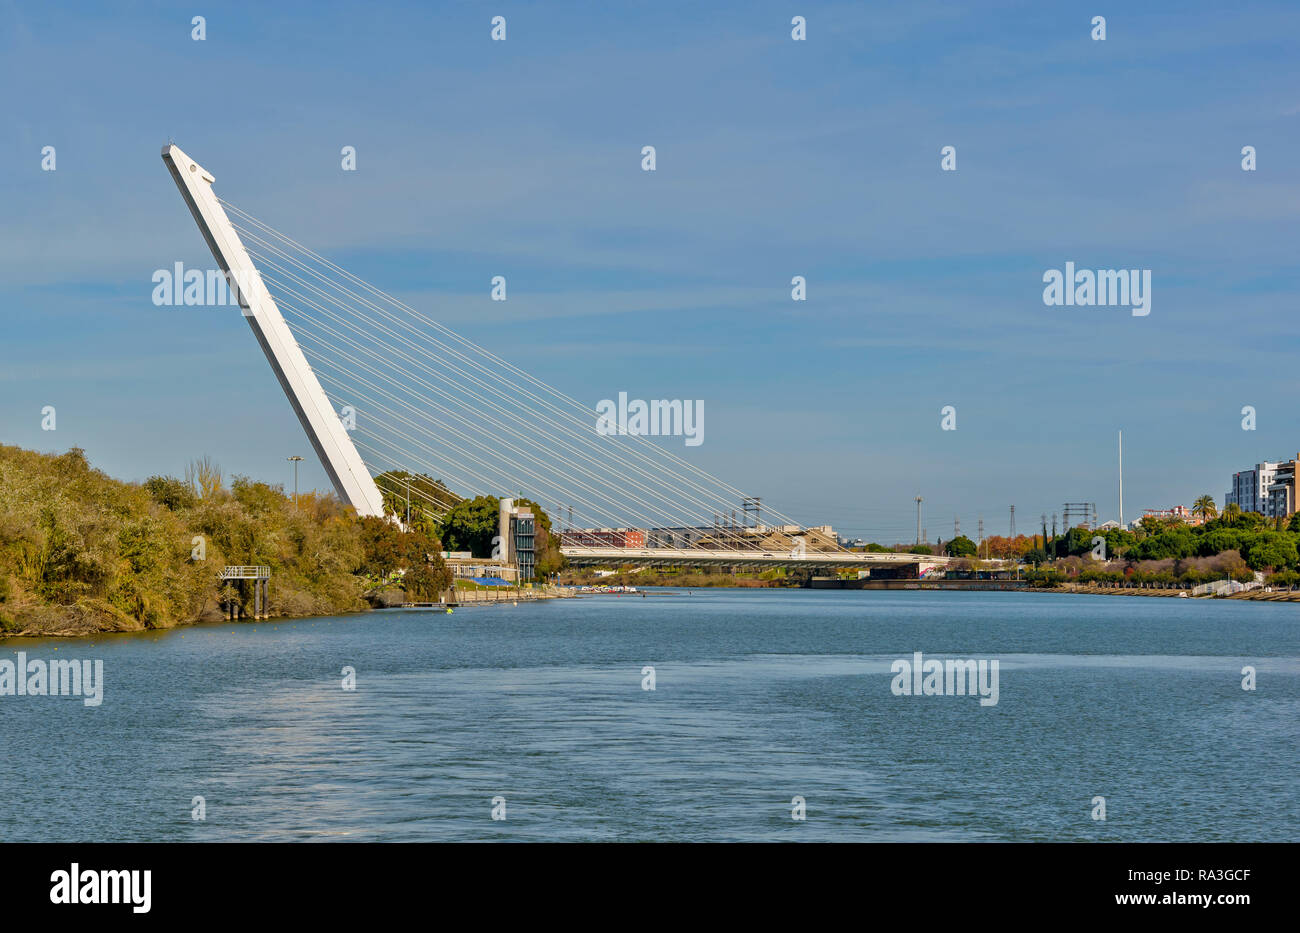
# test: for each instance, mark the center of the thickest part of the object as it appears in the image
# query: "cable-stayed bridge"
(384, 390)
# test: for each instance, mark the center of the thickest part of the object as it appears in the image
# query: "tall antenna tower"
(1121, 479)
(1013, 522)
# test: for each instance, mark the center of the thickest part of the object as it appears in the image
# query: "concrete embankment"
(834, 583)
(1258, 595)
(492, 596)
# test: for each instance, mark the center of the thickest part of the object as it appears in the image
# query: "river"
(761, 697)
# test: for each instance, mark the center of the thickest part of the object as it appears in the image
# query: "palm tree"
(1205, 508)
(1231, 512)
(422, 520)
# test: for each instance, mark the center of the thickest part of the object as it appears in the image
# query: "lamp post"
(295, 460)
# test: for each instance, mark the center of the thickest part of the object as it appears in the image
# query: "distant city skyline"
(775, 159)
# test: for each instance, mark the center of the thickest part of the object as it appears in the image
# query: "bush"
(170, 492)
(1044, 577)
(1216, 542)
(80, 551)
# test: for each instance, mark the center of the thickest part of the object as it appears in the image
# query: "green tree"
(961, 546)
(1270, 549)
(423, 581)
(1118, 541)
(170, 492)
(385, 547)
(1173, 543)
(1150, 525)
(1078, 540)
(470, 525)
(257, 497)
(1217, 541)
(1252, 521)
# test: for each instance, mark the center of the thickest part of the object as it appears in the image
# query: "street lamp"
(295, 461)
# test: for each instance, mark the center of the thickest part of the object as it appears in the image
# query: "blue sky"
(775, 158)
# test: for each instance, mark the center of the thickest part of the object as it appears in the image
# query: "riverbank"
(1094, 589)
(85, 622)
(78, 622)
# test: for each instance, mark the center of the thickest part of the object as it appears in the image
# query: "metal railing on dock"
(245, 573)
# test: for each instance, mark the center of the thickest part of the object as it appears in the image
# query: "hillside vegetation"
(81, 552)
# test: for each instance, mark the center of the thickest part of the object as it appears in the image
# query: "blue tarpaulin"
(491, 581)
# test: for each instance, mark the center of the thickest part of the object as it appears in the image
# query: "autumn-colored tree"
(386, 548)
(204, 477)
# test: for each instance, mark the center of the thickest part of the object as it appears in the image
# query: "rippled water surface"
(761, 696)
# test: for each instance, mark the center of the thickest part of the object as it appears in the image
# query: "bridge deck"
(659, 557)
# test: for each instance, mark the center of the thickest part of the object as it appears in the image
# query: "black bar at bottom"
(639, 883)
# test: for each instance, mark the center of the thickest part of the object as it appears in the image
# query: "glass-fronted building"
(518, 536)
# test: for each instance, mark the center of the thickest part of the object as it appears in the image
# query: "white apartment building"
(1250, 487)
(1282, 491)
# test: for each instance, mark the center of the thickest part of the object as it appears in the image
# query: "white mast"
(1121, 479)
(336, 451)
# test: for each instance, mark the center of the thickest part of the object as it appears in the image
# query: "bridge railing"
(808, 556)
